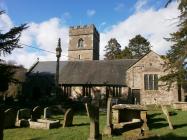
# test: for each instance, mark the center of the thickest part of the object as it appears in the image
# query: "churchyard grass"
(80, 131)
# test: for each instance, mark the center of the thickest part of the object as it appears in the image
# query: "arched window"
(80, 43)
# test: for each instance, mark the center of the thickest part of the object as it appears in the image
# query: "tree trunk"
(1, 123)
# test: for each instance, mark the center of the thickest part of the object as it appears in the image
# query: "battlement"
(83, 29)
(83, 26)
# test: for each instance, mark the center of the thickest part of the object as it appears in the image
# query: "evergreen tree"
(176, 58)
(139, 46)
(125, 54)
(113, 49)
(8, 42)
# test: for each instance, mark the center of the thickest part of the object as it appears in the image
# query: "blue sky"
(122, 19)
(75, 11)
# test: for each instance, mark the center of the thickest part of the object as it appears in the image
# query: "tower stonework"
(83, 43)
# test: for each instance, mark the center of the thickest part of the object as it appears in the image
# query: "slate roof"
(48, 67)
(97, 72)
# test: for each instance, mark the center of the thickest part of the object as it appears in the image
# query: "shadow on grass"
(169, 136)
(179, 126)
(157, 125)
(159, 122)
(81, 124)
(172, 113)
(154, 115)
(37, 138)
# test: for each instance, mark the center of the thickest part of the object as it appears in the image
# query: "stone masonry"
(152, 63)
(90, 48)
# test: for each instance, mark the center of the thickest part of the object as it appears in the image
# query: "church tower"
(83, 43)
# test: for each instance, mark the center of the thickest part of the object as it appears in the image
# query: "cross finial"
(59, 43)
(58, 49)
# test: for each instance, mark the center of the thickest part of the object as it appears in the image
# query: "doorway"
(136, 96)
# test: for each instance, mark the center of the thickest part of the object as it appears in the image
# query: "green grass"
(80, 130)
(158, 124)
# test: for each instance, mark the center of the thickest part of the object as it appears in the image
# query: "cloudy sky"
(50, 19)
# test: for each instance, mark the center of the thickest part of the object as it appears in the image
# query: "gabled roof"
(103, 72)
(151, 51)
(97, 72)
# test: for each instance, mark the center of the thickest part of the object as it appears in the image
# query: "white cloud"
(44, 35)
(153, 25)
(5, 22)
(91, 12)
(140, 5)
(119, 7)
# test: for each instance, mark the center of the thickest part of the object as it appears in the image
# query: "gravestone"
(143, 116)
(10, 118)
(22, 117)
(93, 109)
(87, 111)
(68, 118)
(47, 112)
(108, 128)
(1, 123)
(36, 113)
(165, 111)
(23, 114)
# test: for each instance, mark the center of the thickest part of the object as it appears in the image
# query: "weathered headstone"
(87, 111)
(24, 114)
(22, 117)
(143, 116)
(10, 118)
(108, 128)
(68, 118)
(1, 123)
(47, 112)
(93, 109)
(165, 111)
(36, 113)
(86, 100)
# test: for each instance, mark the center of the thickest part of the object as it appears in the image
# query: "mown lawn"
(80, 130)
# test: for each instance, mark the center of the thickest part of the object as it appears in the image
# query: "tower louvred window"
(80, 43)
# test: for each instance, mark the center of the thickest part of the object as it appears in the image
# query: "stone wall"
(76, 91)
(90, 37)
(152, 63)
(81, 54)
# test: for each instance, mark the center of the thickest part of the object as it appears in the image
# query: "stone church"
(130, 80)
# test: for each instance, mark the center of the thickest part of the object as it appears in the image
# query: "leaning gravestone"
(10, 118)
(1, 123)
(36, 113)
(165, 111)
(68, 118)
